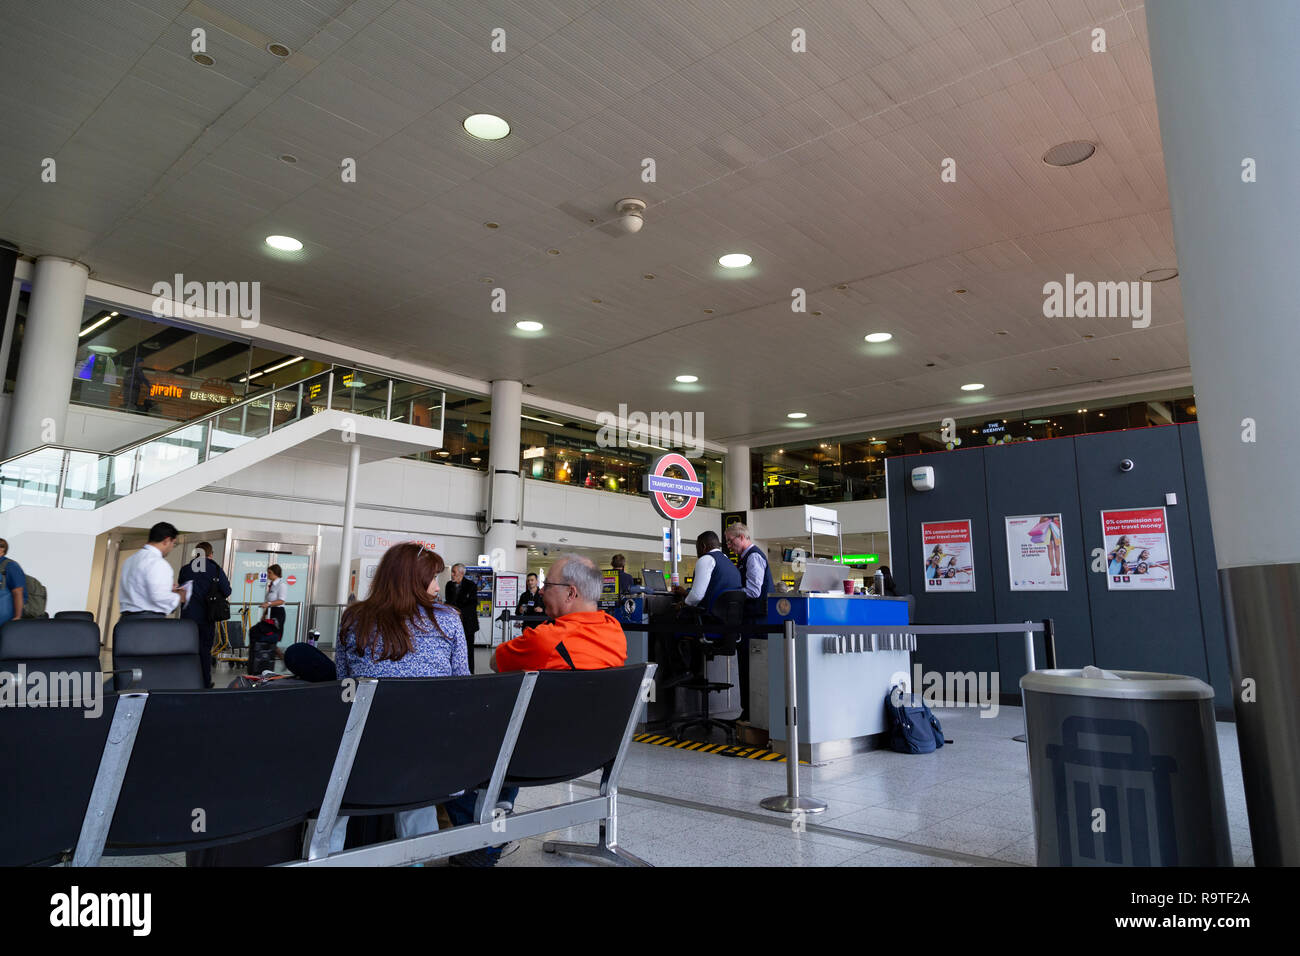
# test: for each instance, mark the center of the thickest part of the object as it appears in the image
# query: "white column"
(504, 482)
(737, 478)
(1226, 80)
(349, 516)
(39, 414)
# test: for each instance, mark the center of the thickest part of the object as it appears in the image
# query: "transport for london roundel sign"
(673, 495)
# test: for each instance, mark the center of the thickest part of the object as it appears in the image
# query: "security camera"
(630, 214)
(1126, 464)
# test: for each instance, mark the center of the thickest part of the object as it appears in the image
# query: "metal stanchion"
(1030, 665)
(791, 801)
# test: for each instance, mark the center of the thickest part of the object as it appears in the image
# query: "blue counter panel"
(837, 611)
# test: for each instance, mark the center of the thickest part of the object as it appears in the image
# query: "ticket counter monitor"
(841, 682)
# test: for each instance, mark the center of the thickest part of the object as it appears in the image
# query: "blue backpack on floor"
(913, 728)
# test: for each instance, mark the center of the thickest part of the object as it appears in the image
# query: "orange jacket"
(592, 638)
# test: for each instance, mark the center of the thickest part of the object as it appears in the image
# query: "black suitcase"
(261, 656)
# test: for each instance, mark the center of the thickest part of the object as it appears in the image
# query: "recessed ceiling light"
(597, 301)
(1069, 154)
(1157, 275)
(1088, 335)
(285, 243)
(289, 158)
(958, 291)
(797, 415)
(1114, 358)
(841, 288)
(816, 313)
(972, 387)
(1053, 368)
(688, 379)
(877, 337)
(488, 279)
(486, 126)
(202, 59)
(278, 49)
(648, 275)
(444, 453)
(1001, 332)
(708, 311)
(492, 225)
(476, 459)
(528, 326)
(552, 252)
(735, 260)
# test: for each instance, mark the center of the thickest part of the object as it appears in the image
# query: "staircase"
(55, 500)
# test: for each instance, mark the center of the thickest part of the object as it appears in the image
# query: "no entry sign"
(672, 486)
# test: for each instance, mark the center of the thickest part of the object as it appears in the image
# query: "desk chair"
(729, 610)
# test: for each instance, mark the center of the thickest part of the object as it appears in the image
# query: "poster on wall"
(1036, 553)
(949, 557)
(1137, 550)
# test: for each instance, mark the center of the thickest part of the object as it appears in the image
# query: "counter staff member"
(462, 594)
(148, 588)
(714, 573)
(530, 602)
(625, 581)
(757, 577)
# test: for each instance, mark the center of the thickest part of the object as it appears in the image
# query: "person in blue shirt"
(208, 579)
(11, 595)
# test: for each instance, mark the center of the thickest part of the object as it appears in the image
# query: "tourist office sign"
(674, 491)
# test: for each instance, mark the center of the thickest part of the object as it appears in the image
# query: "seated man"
(580, 636)
(714, 574)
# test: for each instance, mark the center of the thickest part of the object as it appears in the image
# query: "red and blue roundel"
(673, 496)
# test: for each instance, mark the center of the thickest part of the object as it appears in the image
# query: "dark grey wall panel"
(1179, 631)
(1207, 567)
(1038, 478)
(959, 493)
(1141, 630)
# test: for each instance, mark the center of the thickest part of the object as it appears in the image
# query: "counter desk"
(841, 684)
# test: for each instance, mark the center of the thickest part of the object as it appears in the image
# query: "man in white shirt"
(148, 585)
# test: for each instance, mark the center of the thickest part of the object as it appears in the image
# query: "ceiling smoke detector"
(631, 214)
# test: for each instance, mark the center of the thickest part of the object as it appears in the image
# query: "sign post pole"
(676, 551)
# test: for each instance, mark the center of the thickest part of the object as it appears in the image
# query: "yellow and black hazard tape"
(722, 750)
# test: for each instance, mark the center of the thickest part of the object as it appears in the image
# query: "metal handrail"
(207, 423)
(243, 403)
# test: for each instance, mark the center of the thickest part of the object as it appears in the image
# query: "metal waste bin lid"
(1131, 685)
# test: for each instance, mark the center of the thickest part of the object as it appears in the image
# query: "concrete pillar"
(1226, 81)
(504, 481)
(737, 478)
(349, 523)
(39, 413)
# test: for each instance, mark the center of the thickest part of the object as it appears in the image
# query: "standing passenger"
(462, 594)
(208, 579)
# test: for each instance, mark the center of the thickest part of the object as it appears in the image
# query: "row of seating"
(166, 771)
(164, 650)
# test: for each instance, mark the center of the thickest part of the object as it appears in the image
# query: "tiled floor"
(968, 804)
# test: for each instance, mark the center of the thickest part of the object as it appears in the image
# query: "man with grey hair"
(462, 594)
(579, 636)
(757, 578)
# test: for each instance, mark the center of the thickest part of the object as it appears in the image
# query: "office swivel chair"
(723, 641)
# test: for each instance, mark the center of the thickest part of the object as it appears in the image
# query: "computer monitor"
(653, 579)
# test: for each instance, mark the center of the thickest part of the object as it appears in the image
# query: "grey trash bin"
(1141, 748)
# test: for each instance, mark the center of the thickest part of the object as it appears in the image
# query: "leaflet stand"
(828, 520)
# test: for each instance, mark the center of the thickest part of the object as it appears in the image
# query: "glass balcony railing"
(55, 476)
